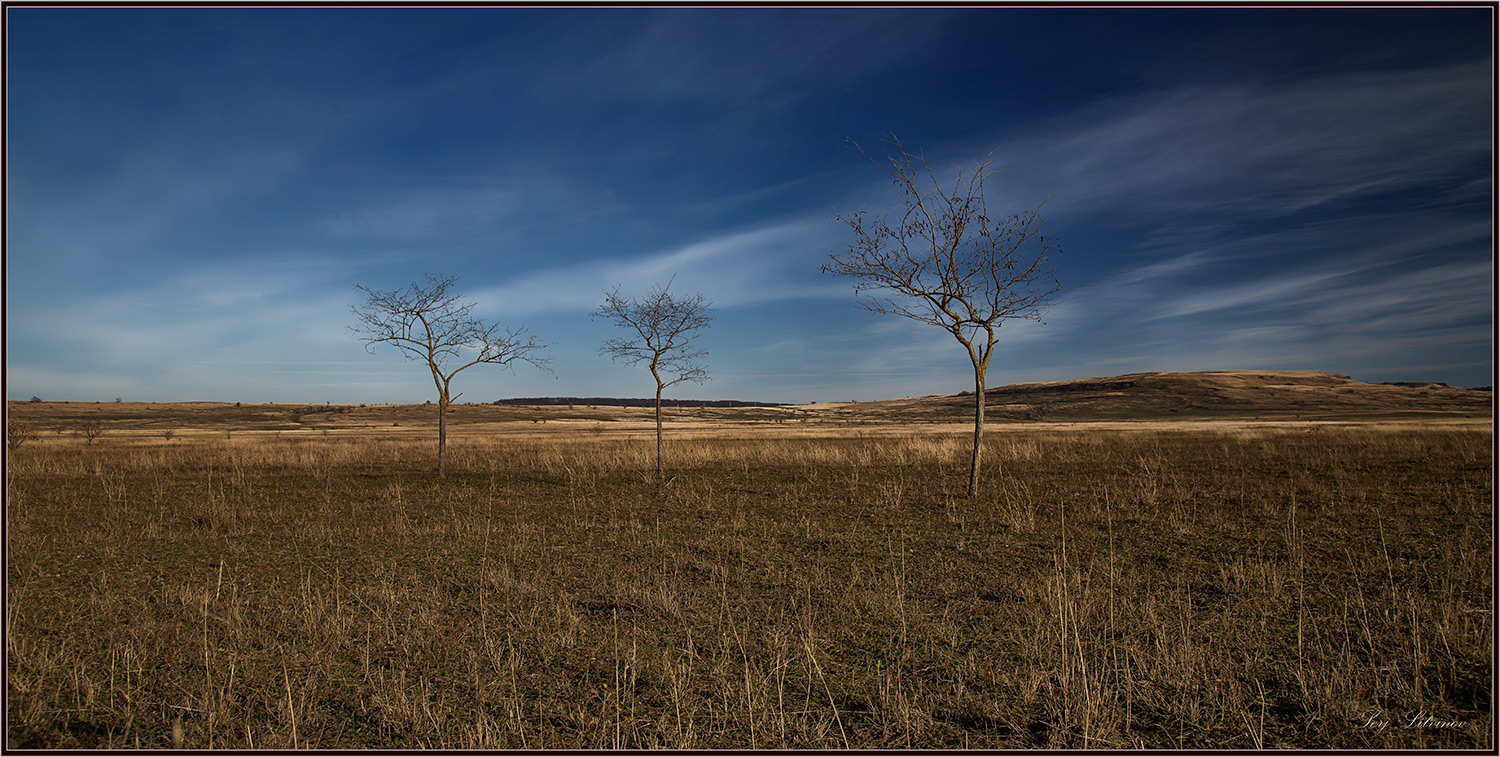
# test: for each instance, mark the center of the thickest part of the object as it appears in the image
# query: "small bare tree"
(943, 260)
(91, 430)
(19, 432)
(429, 323)
(664, 327)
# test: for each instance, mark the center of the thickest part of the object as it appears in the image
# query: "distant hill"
(629, 402)
(1198, 394)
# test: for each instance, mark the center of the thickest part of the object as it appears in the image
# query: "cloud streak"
(202, 332)
(1255, 150)
(764, 56)
(774, 262)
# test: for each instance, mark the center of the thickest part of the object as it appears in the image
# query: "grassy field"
(795, 585)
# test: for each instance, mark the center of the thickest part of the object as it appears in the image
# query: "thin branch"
(947, 263)
(427, 322)
(664, 327)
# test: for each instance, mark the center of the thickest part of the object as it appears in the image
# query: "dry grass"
(1188, 586)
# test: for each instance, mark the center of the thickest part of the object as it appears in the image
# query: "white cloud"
(200, 333)
(1278, 290)
(422, 215)
(768, 57)
(774, 262)
(1259, 150)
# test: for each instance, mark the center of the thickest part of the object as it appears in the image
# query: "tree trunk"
(659, 476)
(442, 435)
(978, 429)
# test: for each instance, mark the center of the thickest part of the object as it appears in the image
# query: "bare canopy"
(660, 330)
(430, 324)
(942, 259)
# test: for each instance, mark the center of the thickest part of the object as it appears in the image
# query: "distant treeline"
(629, 402)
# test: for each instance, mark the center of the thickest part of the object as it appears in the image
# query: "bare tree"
(664, 327)
(19, 432)
(940, 258)
(429, 323)
(90, 429)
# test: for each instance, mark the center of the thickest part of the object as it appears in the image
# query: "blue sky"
(191, 194)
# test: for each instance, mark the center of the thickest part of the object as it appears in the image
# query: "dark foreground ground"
(1206, 588)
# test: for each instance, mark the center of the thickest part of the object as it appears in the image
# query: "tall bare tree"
(942, 259)
(663, 327)
(431, 324)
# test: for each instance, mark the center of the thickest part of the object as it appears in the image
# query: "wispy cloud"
(1344, 314)
(749, 55)
(1278, 291)
(773, 262)
(202, 331)
(1262, 149)
(422, 215)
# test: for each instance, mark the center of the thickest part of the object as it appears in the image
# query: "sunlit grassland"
(1168, 586)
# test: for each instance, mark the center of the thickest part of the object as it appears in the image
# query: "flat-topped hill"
(1195, 394)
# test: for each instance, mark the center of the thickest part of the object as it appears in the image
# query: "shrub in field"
(19, 432)
(90, 430)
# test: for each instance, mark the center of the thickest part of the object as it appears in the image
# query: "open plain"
(1198, 569)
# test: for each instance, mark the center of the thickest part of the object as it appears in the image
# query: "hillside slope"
(1198, 394)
